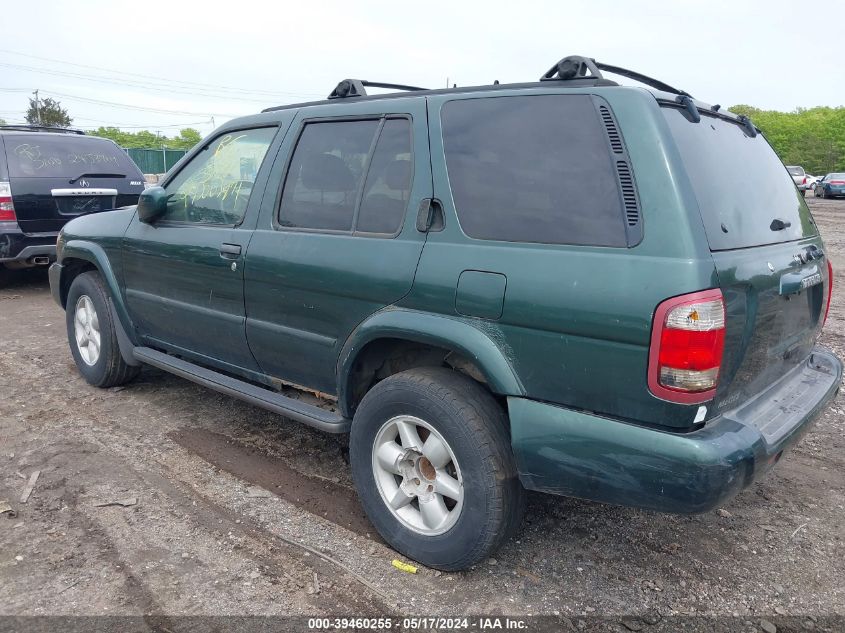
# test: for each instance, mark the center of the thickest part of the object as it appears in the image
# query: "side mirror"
(152, 204)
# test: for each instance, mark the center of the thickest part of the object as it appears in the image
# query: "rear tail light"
(687, 341)
(7, 207)
(829, 291)
(805, 181)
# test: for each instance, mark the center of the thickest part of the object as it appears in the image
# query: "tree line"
(811, 137)
(49, 112)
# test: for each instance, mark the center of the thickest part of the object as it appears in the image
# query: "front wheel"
(91, 333)
(432, 464)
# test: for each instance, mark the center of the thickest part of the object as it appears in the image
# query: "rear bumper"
(19, 247)
(577, 454)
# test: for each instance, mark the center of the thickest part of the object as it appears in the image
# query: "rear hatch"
(767, 251)
(57, 177)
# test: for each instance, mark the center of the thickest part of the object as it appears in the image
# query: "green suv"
(565, 286)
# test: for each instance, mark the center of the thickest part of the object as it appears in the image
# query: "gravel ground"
(204, 538)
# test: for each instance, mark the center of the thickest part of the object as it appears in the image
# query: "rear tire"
(91, 333)
(455, 509)
(5, 276)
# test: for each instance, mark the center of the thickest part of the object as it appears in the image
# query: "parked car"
(799, 177)
(49, 176)
(830, 186)
(431, 264)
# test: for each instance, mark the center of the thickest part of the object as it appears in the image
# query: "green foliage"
(145, 139)
(813, 138)
(49, 112)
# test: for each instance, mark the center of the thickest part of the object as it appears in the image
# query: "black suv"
(49, 176)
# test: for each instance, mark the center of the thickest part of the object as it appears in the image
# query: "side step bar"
(260, 397)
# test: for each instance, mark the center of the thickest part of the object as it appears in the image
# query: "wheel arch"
(81, 256)
(404, 338)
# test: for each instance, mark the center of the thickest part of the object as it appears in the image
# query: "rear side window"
(739, 182)
(325, 175)
(349, 176)
(66, 156)
(532, 169)
(388, 182)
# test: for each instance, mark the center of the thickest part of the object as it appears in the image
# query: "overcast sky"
(125, 64)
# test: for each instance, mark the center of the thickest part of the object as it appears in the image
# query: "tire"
(444, 408)
(89, 319)
(5, 276)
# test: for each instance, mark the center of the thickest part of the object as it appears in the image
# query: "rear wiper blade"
(96, 175)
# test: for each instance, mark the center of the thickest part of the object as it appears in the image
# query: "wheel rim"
(417, 475)
(86, 325)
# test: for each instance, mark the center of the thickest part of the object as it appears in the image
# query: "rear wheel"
(432, 463)
(5, 276)
(91, 333)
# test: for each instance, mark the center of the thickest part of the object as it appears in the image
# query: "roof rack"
(576, 67)
(356, 88)
(41, 128)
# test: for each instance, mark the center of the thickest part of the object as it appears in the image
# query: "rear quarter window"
(532, 169)
(65, 156)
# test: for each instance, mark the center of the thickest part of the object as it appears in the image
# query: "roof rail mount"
(41, 128)
(576, 67)
(356, 88)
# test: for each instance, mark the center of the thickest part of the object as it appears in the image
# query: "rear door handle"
(230, 251)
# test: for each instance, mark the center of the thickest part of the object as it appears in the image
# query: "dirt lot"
(202, 539)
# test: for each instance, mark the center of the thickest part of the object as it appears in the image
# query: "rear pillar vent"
(629, 193)
(612, 131)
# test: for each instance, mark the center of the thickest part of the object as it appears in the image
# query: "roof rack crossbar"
(356, 88)
(576, 67)
(44, 128)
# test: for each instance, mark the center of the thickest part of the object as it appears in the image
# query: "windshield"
(835, 177)
(745, 195)
(66, 156)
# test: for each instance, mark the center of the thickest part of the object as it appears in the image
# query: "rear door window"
(349, 176)
(388, 183)
(68, 156)
(740, 184)
(325, 175)
(532, 169)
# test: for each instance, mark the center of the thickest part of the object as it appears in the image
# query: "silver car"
(799, 177)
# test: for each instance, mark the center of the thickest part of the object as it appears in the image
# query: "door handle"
(230, 251)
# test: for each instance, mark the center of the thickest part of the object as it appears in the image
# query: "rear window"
(796, 171)
(532, 169)
(65, 156)
(740, 183)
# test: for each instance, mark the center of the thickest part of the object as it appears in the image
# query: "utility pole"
(37, 110)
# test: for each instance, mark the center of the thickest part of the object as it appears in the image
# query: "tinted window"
(388, 182)
(532, 169)
(66, 156)
(324, 178)
(214, 188)
(739, 182)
